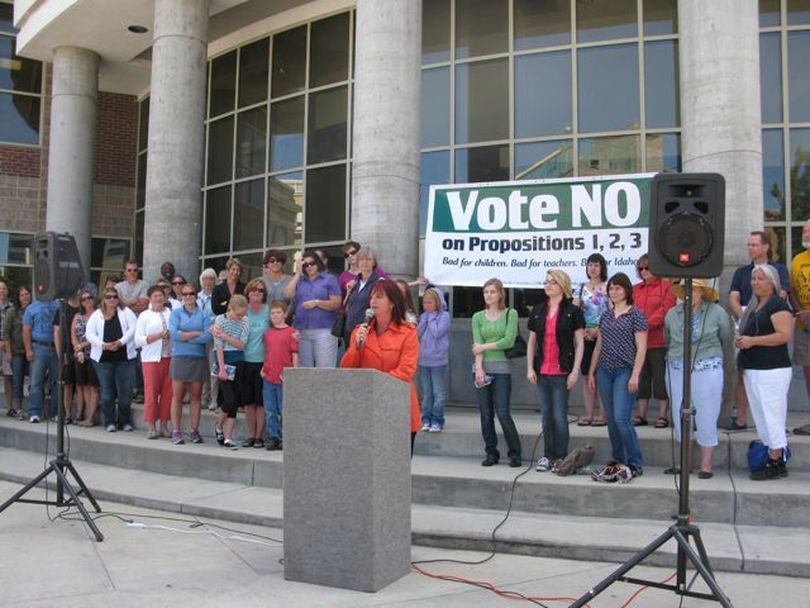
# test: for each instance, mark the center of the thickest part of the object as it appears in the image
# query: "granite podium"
(347, 478)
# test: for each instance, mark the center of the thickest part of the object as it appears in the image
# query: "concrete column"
(174, 170)
(385, 176)
(72, 146)
(720, 110)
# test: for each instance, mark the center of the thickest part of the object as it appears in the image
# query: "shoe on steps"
(489, 461)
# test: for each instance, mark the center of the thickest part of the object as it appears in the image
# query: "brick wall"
(116, 139)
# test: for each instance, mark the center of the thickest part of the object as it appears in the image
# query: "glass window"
(109, 253)
(796, 241)
(482, 101)
(798, 12)
(544, 159)
(778, 245)
(608, 88)
(287, 134)
(16, 248)
(20, 122)
(538, 110)
(800, 173)
(485, 164)
(143, 124)
(435, 31)
(770, 77)
(799, 76)
(661, 91)
(329, 50)
(253, 60)
(289, 62)
(769, 13)
(326, 204)
(218, 220)
(140, 196)
(541, 23)
(223, 84)
(435, 169)
(248, 214)
(220, 150)
(660, 17)
(327, 128)
(251, 142)
(435, 107)
(609, 155)
(7, 18)
(481, 28)
(606, 20)
(252, 263)
(18, 73)
(663, 152)
(773, 174)
(285, 206)
(467, 301)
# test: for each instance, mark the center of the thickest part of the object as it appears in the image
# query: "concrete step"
(731, 547)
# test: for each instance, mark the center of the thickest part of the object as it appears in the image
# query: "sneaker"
(636, 471)
(435, 428)
(248, 443)
(34, 419)
(543, 465)
(152, 434)
(220, 436)
(259, 443)
(774, 469)
(213, 406)
(128, 428)
(111, 428)
(230, 444)
(195, 437)
(177, 438)
(274, 444)
(425, 427)
(735, 426)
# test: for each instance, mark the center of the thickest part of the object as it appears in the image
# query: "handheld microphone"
(369, 316)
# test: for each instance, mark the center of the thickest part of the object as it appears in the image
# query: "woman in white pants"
(766, 328)
(712, 335)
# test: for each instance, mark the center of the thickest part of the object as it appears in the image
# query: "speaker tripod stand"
(683, 531)
(61, 466)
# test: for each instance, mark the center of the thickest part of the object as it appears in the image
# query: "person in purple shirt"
(434, 357)
(317, 299)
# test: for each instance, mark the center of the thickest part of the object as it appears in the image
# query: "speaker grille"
(686, 238)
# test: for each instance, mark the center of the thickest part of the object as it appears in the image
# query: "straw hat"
(709, 292)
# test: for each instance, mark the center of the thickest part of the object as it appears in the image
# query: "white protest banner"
(516, 231)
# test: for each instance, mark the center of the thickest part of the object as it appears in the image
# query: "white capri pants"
(317, 348)
(707, 397)
(767, 391)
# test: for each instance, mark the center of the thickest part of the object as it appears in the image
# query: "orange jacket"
(395, 352)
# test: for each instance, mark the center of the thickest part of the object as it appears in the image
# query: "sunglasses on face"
(85, 298)
(131, 270)
(308, 264)
(643, 268)
(275, 261)
(350, 253)
(110, 296)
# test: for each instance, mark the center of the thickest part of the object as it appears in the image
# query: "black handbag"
(339, 326)
(518, 350)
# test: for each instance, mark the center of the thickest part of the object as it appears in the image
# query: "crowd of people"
(226, 344)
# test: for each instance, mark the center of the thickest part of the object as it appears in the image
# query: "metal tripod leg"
(35, 481)
(84, 489)
(75, 497)
(700, 562)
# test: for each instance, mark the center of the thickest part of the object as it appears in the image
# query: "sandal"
(661, 423)
(705, 475)
(599, 422)
(11, 413)
(584, 422)
(640, 421)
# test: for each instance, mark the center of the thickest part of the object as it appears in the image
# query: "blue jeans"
(19, 370)
(273, 397)
(553, 396)
(433, 384)
(618, 403)
(45, 362)
(116, 380)
(494, 399)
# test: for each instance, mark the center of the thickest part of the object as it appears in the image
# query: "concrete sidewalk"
(178, 563)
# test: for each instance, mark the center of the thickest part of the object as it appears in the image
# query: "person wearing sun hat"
(712, 336)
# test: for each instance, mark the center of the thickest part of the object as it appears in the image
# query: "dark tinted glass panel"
(139, 218)
(663, 152)
(487, 164)
(769, 12)
(800, 173)
(326, 132)
(606, 19)
(223, 84)
(326, 204)
(218, 220)
(542, 23)
(660, 17)
(329, 50)
(251, 142)
(140, 197)
(220, 150)
(289, 62)
(6, 17)
(544, 159)
(18, 73)
(435, 170)
(248, 214)
(467, 301)
(109, 253)
(435, 31)
(661, 96)
(796, 242)
(773, 174)
(798, 12)
(608, 88)
(536, 111)
(482, 101)
(20, 123)
(287, 134)
(252, 263)
(609, 155)
(799, 76)
(253, 60)
(481, 27)
(16, 248)
(285, 205)
(778, 244)
(143, 124)
(435, 107)
(770, 77)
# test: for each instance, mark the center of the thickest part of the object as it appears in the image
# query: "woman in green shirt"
(494, 330)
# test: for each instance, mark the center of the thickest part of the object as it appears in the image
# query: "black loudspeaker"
(58, 270)
(687, 224)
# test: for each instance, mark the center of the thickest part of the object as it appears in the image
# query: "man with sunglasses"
(132, 295)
